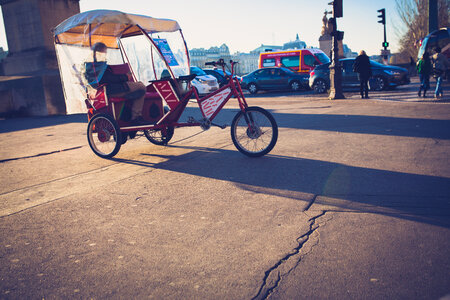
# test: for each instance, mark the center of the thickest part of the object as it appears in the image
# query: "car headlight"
(391, 72)
(200, 80)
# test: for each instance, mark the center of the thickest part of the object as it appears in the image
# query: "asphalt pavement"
(352, 203)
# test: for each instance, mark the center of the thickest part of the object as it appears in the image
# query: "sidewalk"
(353, 202)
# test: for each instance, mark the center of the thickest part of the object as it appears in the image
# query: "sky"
(246, 24)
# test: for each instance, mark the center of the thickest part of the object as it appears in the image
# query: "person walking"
(440, 66)
(362, 67)
(424, 70)
(99, 72)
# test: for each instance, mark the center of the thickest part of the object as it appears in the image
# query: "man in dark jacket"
(362, 67)
(117, 85)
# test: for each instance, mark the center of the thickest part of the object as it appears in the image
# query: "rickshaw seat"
(148, 95)
(120, 69)
(117, 99)
(151, 95)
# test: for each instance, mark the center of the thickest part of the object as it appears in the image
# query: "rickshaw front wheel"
(254, 132)
(104, 136)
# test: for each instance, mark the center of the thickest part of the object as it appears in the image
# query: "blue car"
(382, 78)
(220, 76)
(274, 79)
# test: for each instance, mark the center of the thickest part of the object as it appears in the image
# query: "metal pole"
(432, 16)
(335, 67)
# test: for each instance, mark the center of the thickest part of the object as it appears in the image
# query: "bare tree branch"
(413, 15)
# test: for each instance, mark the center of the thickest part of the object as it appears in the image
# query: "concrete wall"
(22, 96)
(54, 12)
(29, 23)
(28, 26)
(22, 25)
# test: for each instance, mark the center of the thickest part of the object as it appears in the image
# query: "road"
(352, 203)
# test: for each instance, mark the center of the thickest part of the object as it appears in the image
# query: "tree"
(414, 18)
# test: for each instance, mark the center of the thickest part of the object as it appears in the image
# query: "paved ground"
(353, 202)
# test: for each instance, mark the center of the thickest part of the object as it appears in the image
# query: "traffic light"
(337, 8)
(385, 45)
(382, 16)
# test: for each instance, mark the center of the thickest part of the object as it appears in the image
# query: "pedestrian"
(440, 66)
(412, 67)
(362, 67)
(424, 70)
(99, 72)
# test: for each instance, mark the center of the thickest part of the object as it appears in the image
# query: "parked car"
(438, 38)
(220, 76)
(382, 78)
(203, 82)
(274, 79)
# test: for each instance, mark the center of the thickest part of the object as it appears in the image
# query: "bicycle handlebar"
(222, 64)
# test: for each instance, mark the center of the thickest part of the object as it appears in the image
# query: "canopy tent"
(150, 47)
(93, 26)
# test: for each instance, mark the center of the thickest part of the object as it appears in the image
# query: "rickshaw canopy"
(151, 48)
(90, 27)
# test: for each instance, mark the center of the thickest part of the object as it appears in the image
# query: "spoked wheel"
(104, 136)
(320, 86)
(158, 136)
(377, 83)
(252, 88)
(295, 86)
(255, 132)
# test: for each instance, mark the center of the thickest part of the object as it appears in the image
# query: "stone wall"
(28, 26)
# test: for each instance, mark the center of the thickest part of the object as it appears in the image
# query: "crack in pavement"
(40, 154)
(270, 283)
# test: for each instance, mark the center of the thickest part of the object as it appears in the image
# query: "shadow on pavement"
(411, 127)
(16, 124)
(410, 196)
(391, 126)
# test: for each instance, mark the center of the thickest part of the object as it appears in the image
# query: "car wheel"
(295, 86)
(378, 83)
(320, 86)
(252, 88)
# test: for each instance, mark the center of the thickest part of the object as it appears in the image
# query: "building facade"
(248, 62)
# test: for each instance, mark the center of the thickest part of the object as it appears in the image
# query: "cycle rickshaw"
(154, 52)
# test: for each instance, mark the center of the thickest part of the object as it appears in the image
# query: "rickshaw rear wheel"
(104, 136)
(157, 137)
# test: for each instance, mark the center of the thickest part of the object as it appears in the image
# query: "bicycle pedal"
(220, 126)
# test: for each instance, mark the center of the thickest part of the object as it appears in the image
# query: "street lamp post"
(335, 67)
